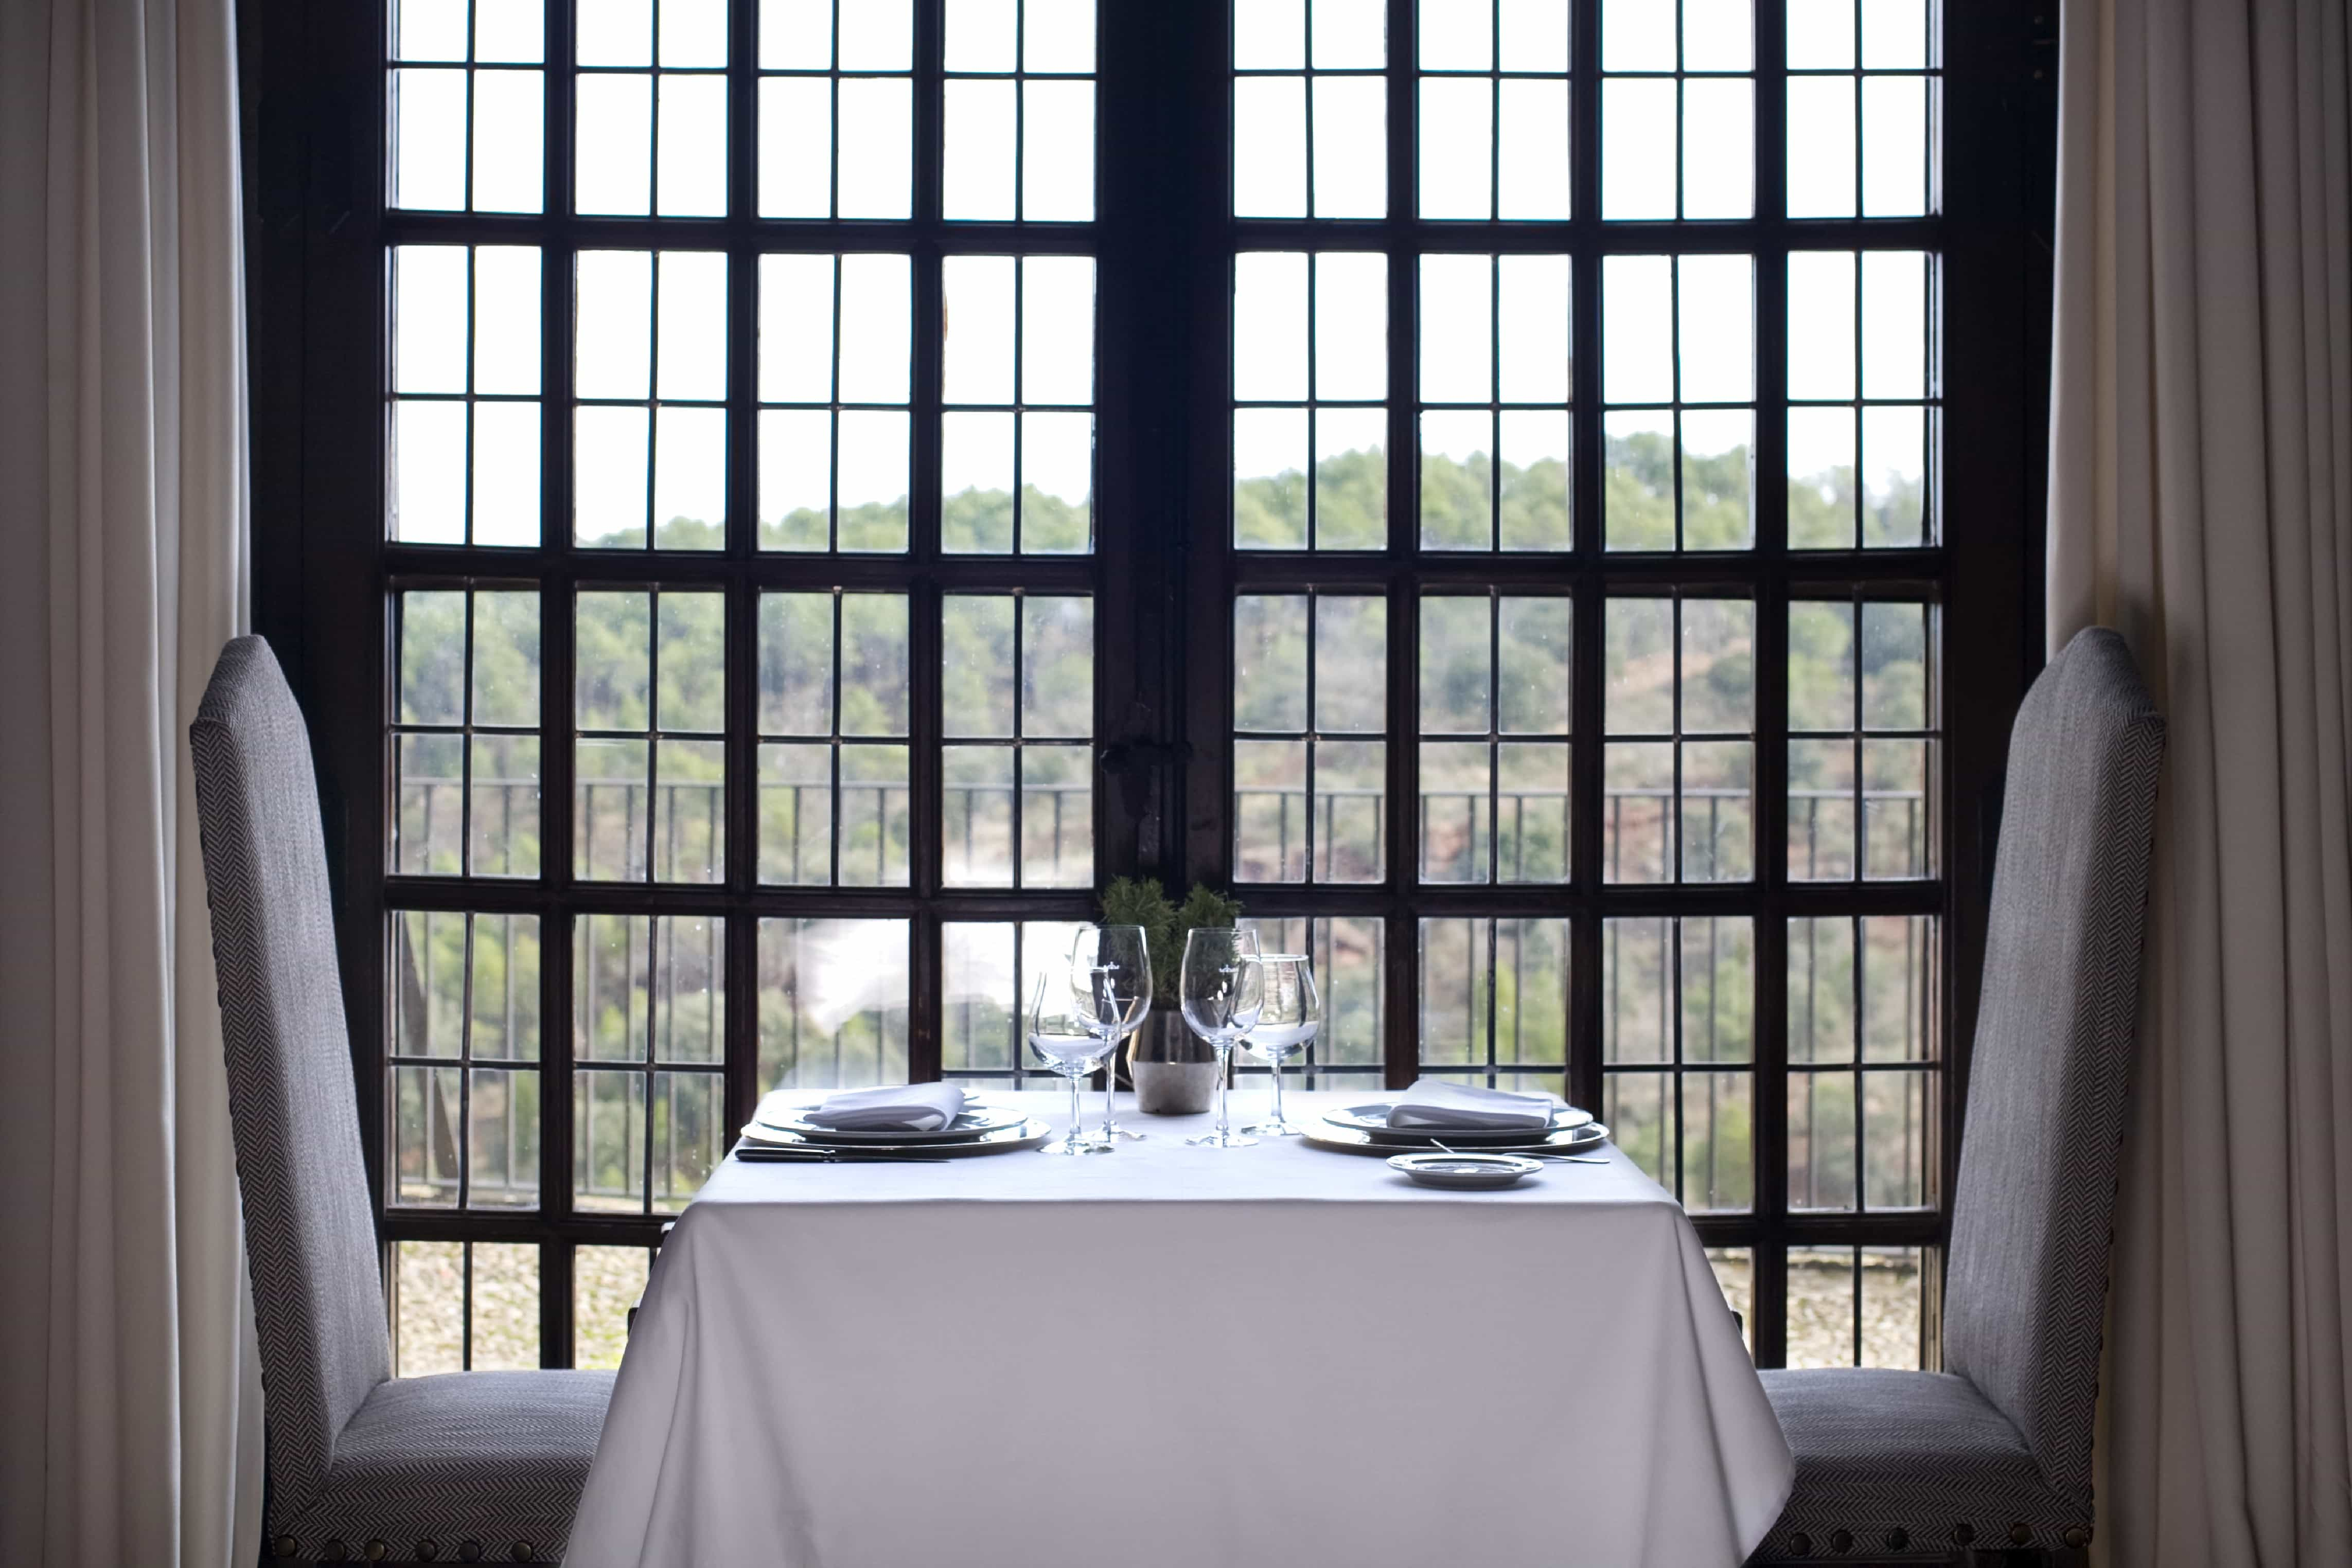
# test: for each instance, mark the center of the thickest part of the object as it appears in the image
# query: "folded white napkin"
(1435, 1103)
(896, 1107)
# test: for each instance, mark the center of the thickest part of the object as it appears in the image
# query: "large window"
(783, 498)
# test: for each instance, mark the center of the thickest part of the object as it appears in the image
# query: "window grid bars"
(1767, 572)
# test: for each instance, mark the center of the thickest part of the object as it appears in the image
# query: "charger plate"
(1372, 1118)
(975, 1120)
(764, 1143)
(1354, 1141)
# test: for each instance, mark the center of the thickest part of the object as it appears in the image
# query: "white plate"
(976, 1121)
(1374, 1118)
(763, 1144)
(1350, 1141)
(1465, 1173)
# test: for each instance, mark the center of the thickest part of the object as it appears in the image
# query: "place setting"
(901, 1123)
(1462, 1136)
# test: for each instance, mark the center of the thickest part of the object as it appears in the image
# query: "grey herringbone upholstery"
(355, 1456)
(1995, 1450)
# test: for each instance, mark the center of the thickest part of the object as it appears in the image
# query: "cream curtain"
(2200, 501)
(129, 1400)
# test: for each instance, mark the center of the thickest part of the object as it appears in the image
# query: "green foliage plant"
(1143, 901)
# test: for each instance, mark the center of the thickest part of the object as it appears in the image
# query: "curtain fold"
(133, 1396)
(2202, 502)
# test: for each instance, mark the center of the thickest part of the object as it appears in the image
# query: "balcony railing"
(978, 813)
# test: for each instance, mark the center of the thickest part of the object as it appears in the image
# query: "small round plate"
(1372, 1118)
(1465, 1173)
(978, 1121)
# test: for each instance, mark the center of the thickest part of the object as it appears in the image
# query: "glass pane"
(1350, 789)
(1719, 147)
(1821, 35)
(1898, 1139)
(688, 1137)
(1894, 146)
(1350, 478)
(979, 807)
(833, 1003)
(1456, 665)
(1822, 167)
(504, 806)
(506, 968)
(428, 1308)
(1270, 146)
(1821, 1287)
(1823, 470)
(428, 134)
(1898, 988)
(1638, 147)
(1821, 1140)
(1270, 465)
(1638, 1010)
(1531, 180)
(608, 1113)
(607, 1282)
(1351, 146)
(1717, 1122)
(1457, 329)
(428, 503)
(1639, 643)
(1270, 326)
(1270, 661)
(978, 329)
(613, 144)
(1057, 151)
(1735, 1272)
(983, 130)
(876, 178)
(428, 998)
(1634, 1106)
(1715, 333)
(426, 1131)
(691, 176)
(1352, 336)
(1535, 351)
(976, 464)
(1269, 811)
(1457, 148)
(1531, 812)
(1057, 666)
(1894, 1296)
(1534, 472)
(505, 1307)
(509, 129)
(1351, 663)
(796, 146)
(978, 667)
(1820, 990)
(1270, 35)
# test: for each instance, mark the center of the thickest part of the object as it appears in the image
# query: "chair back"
(309, 1230)
(2031, 1221)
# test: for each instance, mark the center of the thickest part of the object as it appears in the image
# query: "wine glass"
(1221, 992)
(1291, 1012)
(1110, 989)
(1067, 1045)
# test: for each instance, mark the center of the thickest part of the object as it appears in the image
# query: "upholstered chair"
(465, 1467)
(1994, 1452)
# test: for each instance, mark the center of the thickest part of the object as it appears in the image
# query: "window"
(770, 503)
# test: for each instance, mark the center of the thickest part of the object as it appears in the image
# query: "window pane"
(607, 1282)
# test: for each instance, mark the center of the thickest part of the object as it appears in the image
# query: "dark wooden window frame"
(312, 81)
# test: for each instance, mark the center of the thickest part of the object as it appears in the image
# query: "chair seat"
(1896, 1462)
(492, 1458)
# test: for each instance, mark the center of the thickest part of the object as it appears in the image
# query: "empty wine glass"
(1222, 990)
(1290, 1013)
(1110, 988)
(1067, 1045)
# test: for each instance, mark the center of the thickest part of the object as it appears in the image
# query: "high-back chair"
(363, 1465)
(1994, 1452)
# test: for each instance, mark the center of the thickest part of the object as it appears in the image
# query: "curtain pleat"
(2202, 502)
(132, 1397)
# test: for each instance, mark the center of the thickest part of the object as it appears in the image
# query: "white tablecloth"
(1183, 1357)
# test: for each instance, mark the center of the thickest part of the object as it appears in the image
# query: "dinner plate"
(1465, 1173)
(1354, 1141)
(763, 1143)
(1374, 1118)
(976, 1121)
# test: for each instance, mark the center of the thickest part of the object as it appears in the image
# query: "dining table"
(1178, 1355)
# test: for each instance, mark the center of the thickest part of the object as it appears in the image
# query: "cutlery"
(1553, 1159)
(776, 1157)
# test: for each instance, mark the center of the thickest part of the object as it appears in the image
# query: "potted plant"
(1173, 1070)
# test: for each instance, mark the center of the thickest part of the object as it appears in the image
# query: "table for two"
(1174, 1355)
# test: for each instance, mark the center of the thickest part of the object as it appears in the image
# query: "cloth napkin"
(898, 1107)
(1435, 1103)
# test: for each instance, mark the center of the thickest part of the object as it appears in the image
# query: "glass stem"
(1278, 1089)
(1225, 1054)
(1110, 1084)
(1076, 1112)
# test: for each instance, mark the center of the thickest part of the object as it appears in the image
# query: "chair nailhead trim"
(427, 1551)
(2021, 1533)
(1963, 1535)
(2076, 1537)
(333, 1551)
(1801, 1545)
(522, 1552)
(1841, 1539)
(376, 1551)
(469, 1550)
(284, 1546)
(1896, 1540)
